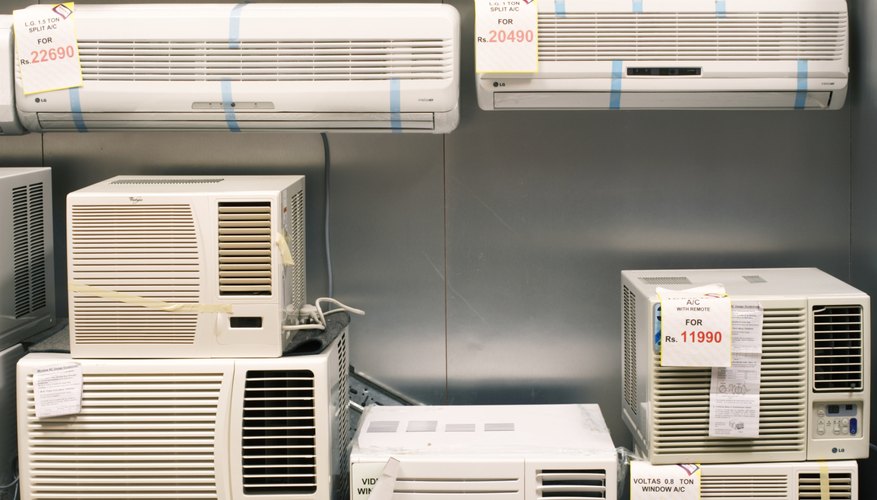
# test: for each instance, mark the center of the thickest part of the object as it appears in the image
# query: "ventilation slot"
(139, 435)
(294, 276)
(722, 487)
(279, 433)
(680, 397)
(28, 249)
(342, 417)
(754, 279)
(840, 486)
(837, 344)
(665, 280)
(146, 182)
(482, 487)
(149, 251)
(629, 300)
(245, 248)
(571, 484)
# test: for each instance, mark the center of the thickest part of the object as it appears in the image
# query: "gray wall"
(488, 260)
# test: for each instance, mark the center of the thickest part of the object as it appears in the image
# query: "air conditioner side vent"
(245, 248)
(665, 280)
(343, 416)
(837, 348)
(839, 486)
(166, 180)
(559, 484)
(629, 325)
(28, 249)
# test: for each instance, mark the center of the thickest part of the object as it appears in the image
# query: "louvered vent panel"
(149, 436)
(559, 484)
(342, 417)
(165, 180)
(295, 230)
(279, 433)
(37, 242)
(20, 252)
(840, 486)
(680, 396)
(837, 344)
(722, 487)
(149, 251)
(629, 301)
(665, 280)
(245, 248)
(283, 60)
(28, 249)
(684, 36)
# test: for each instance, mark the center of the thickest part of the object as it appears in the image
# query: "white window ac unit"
(350, 67)
(525, 452)
(682, 54)
(9, 124)
(798, 480)
(223, 429)
(815, 370)
(185, 266)
(27, 268)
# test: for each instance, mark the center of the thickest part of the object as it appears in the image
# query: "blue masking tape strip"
(76, 109)
(721, 9)
(615, 95)
(227, 105)
(638, 6)
(234, 27)
(801, 95)
(560, 8)
(395, 106)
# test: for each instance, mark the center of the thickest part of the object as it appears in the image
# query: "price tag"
(45, 46)
(505, 36)
(58, 390)
(695, 327)
(664, 482)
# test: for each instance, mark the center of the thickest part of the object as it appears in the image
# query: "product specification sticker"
(695, 327)
(58, 390)
(664, 482)
(46, 48)
(505, 36)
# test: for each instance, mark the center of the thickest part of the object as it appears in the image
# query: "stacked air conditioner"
(815, 383)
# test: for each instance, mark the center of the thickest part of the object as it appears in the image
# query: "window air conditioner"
(8, 118)
(681, 54)
(351, 67)
(526, 452)
(224, 429)
(798, 480)
(27, 277)
(815, 370)
(185, 266)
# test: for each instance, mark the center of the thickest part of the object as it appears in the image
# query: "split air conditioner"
(225, 429)
(185, 266)
(351, 67)
(9, 124)
(27, 278)
(682, 54)
(525, 452)
(815, 370)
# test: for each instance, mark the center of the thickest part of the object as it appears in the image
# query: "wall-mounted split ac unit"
(27, 269)
(682, 54)
(815, 369)
(225, 429)
(350, 67)
(8, 117)
(525, 452)
(185, 266)
(798, 480)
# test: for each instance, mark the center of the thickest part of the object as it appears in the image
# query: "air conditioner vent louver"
(754, 278)
(295, 220)
(279, 433)
(666, 280)
(685, 36)
(680, 401)
(722, 487)
(283, 60)
(342, 417)
(28, 249)
(837, 348)
(559, 484)
(169, 180)
(839, 486)
(245, 248)
(153, 434)
(145, 250)
(629, 349)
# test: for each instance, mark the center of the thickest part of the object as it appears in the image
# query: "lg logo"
(838, 450)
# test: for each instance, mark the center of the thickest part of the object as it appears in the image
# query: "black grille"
(629, 349)
(28, 249)
(839, 486)
(837, 344)
(572, 483)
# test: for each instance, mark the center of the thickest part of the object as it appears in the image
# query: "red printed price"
(702, 337)
(511, 36)
(42, 55)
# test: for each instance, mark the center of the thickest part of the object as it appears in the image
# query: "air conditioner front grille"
(342, 417)
(629, 325)
(681, 36)
(145, 250)
(840, 486)
(561, 484)
(137, 436)
(245, 248)
(723, 487)
(837, 348)
(282, 60)
(279, 433)
(28, 249)
(680, 396)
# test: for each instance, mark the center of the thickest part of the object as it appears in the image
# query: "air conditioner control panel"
(837, 420)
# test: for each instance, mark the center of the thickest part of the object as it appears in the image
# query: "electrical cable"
(327, 165)
(312, 317)
(873, 447)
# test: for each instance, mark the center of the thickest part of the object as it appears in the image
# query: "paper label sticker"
(664, 482)
(58, 390)
(747, 323)
(695, 327)
(46, 48)
(506, 33)
(735, 398)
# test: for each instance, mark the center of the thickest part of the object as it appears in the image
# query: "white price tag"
(735, 398)
(45, 46)
(664, 482)
(695, 327)
(58, 390)
(505, 36)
